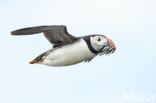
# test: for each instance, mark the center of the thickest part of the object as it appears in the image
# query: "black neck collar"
(87, 40)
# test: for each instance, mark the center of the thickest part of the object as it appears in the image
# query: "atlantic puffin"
(67, 49)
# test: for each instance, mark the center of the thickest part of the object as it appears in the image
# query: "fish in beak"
(109, 48)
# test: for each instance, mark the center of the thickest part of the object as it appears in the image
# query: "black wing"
(56, 34)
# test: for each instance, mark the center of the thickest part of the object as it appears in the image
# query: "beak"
(112, 46)
(111, 43)
(109, 48)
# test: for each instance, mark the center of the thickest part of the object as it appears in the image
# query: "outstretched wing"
(56, 34)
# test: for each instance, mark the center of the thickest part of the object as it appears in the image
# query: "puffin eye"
(99, 39)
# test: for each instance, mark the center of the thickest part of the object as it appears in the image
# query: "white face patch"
(98, 42)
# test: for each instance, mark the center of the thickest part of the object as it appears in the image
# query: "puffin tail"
(36, 61)
(40, 58)
(32, 62)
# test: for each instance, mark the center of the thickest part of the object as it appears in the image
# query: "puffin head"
(102, 44)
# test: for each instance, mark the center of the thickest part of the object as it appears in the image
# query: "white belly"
(69, 54)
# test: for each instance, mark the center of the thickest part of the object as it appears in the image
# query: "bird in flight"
(68, 49)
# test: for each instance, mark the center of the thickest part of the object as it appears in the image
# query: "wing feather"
(56, 34)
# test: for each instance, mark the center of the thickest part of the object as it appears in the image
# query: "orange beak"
(111, 43)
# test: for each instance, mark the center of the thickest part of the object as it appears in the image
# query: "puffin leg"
(36, 61)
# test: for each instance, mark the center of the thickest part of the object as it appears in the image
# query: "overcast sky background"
(126, 76)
